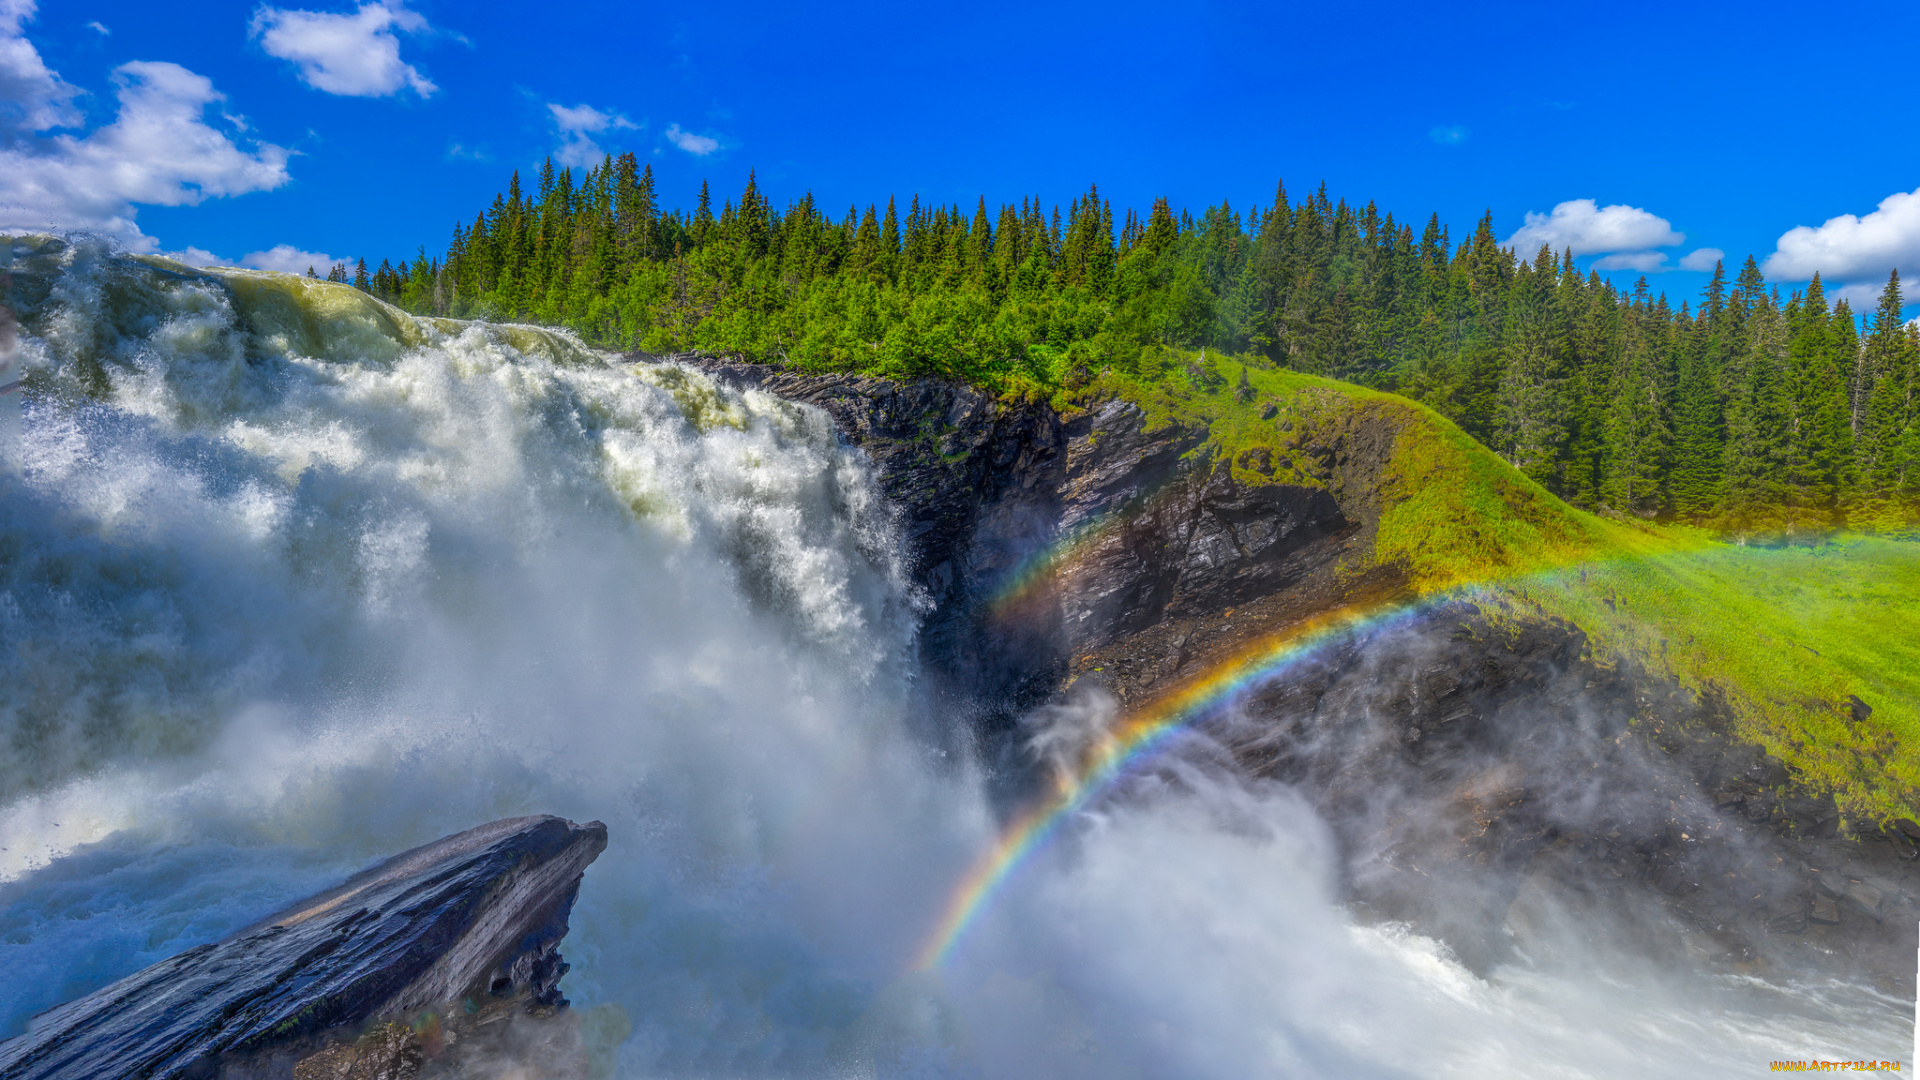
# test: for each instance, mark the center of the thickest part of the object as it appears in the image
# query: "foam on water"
(292, 580)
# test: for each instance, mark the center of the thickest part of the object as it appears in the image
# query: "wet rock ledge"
(442, 961)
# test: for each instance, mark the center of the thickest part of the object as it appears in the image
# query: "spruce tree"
(1531, 422)
(1637, 433)
(1816, 436)
(1755, 495)
(1888, 431)
(1699, 440)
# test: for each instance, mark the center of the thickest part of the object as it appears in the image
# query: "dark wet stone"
(466, 915)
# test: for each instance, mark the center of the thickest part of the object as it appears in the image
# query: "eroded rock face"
(456, 927)
(1495, 786)
(1141, 535)
(1489, 783)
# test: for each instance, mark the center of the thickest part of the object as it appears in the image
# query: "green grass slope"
(1787, 636)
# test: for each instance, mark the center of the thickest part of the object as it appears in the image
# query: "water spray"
(9, 367)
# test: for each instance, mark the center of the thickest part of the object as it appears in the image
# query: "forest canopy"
(1739, 408)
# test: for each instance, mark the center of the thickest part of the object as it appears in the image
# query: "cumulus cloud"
(578, 124)
(1589, 229)
(697, 145)
(1701, 258)
(100, 28)
(355, 55)
(195, 256)
(1861, 296)
(32, 96)
(1853, 248)
(1647, 262)
(158, 151)
(292, 260)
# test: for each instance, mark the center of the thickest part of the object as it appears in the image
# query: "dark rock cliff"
(1138, 534)
(1491, 781)
(352, 982)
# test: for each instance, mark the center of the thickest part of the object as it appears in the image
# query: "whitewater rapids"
(291, 580)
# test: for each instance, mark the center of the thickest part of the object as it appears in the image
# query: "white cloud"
(1853, 248)
(1647, 262)
(1701, 258)
(353, 55)
(577, 125)
(1587, 228)
(100, 28)
(697, 145)
(1448, 136)
(32, 97)
(292, 260)
(159, 151)
(1862, 297)
(194, 256)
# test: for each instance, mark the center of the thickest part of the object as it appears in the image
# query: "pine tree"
(1746, 411)
(890, 242)
(1531, 426)
(1637, 433)
(1888, 432)
(1758, 415)
(1699, 412)
(1816, 436)
(703, 223)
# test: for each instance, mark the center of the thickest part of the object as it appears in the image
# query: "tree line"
(1744, 409)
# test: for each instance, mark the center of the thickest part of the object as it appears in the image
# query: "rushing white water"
(291, 581)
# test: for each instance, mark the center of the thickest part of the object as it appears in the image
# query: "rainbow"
(1035, 574)
(1160, 720)
(1138, 736)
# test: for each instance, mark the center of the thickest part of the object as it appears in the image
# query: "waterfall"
(291, 580)
(9, 372)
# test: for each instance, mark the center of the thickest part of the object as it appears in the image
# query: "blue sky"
(344, 129)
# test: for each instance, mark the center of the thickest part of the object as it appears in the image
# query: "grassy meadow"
(1786, 633)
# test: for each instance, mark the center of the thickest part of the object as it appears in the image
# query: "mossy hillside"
(1787, 635)
(1450, 511)
(1784, 635)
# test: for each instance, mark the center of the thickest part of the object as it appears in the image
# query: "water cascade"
(291, 580)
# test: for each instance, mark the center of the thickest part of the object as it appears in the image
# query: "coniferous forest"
(1741, 408)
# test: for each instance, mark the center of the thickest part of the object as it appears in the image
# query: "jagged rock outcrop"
(1485, 776)
(368, 980)
(1147, 535)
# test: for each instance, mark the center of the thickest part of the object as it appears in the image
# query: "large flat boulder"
(454, 928)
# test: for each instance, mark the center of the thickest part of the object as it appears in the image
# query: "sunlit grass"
(1784, 635)
(1787, 635)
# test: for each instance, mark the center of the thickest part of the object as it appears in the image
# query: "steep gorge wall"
(1133, 530)
(1490, 779)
